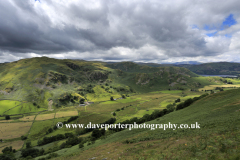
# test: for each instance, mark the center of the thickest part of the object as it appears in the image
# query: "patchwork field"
(16, 129)
(27, 118)
(45, 116)
(66, 114)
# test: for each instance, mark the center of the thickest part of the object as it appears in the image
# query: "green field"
(24, 108)
(7, 104)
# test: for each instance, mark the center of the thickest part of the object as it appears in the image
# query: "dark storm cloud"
(114, 29)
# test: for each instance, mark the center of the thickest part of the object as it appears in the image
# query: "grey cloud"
(94, 30)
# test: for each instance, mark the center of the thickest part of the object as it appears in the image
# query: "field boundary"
(29, 131)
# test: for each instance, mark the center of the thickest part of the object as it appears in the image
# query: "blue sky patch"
(211, 34)
(208, 27)
(229, 21)
(194, 26)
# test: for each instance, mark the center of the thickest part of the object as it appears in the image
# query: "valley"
(38, 93)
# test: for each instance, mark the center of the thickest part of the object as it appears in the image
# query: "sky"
(121, 30)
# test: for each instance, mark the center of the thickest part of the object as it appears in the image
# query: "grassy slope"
(218, 137)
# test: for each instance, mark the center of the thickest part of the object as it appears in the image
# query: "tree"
(41, 151)
(82, 101)
(123, 96)
(96, 133)
(81, 145)
(30, 152)
(7, 117)
(177, 100)
(7, 150)
(28, 145)
(111, 99)
(170, 107)
(23, 137)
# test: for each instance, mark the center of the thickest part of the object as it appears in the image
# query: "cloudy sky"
(121, 30)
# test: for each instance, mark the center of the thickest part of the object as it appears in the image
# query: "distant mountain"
(218, 68)
(187, 62)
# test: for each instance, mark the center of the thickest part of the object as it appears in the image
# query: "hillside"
(219, 68)
(40, 80)
(217, 138)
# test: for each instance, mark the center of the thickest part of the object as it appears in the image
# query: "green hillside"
(65, 82)
(217, 138)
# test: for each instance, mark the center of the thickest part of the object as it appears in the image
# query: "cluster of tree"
(189, 101)
(57, 137)
(209, 90)
(145, 118)
(117, 110)
(30, 152)
(8, 154)
(110, 121)
(177, 100)
(107, 90)
(86, 130)
(8, 150)
(90, 89)
(219, 88)
(70, 119)
(71, 142)
(82, 101)
(97, 133)
(67, 97)
(225, 81)
(36, 105)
